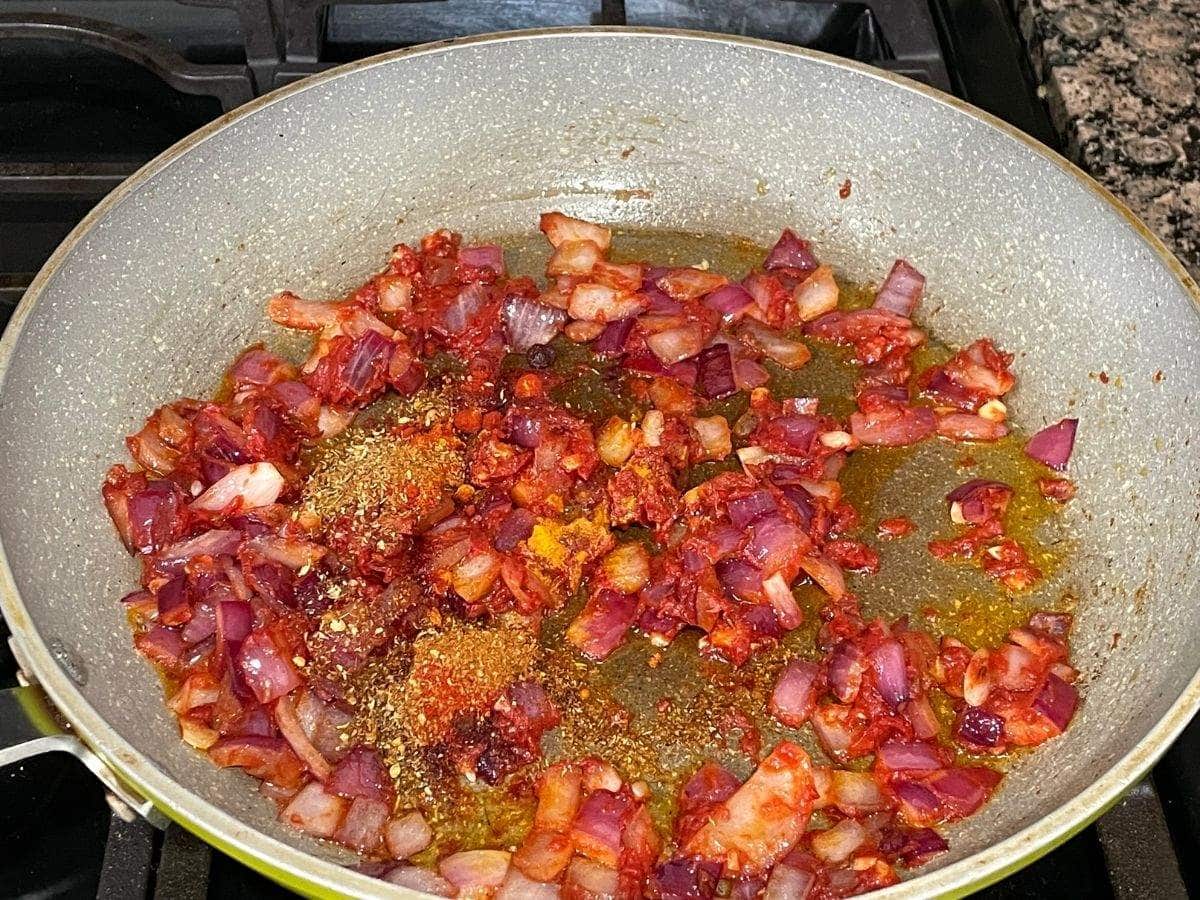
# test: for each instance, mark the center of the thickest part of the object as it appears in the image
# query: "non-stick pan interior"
(648, 130)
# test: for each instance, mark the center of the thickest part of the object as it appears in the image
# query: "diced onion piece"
(474, 576)
(614, 442)
(977, 682)
(1053, 444)
(713, 434)
(586, 878)
(790, 252)
(826, 573)
(816, 295)
(559, 229)
(856, 793)
(315, 812)
(795, 694)
(652, 426)
(543, 855)
(248, 486)
(362, 828)
(517, 886)
(195, 734)
(676, 344)
(901, 290)
(788, 353)
(418, 878)
(574, 258)
(789, 883)
(528, 323)
(558, 794)
(834, 845)
(395, 292)
(602, 304)
(475, 870)
(627, 568)
(407, 835)
(293, 732)
(779, 595)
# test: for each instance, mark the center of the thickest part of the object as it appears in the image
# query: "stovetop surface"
(75, 120)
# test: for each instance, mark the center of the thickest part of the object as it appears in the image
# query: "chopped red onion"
(786, 883)
(746, 510)
(515, 527)
(1057, 701)
(475, 872)
(601, 625)
(267, 670)
(775, 543)
(407, 835)
(909, 756)
(293, 732)
(202, 625)
(234, 619)
(686, 371)
(518, 886)
(217, 542)
(731, 301)
(247, 486)
(1053, 444)
(977, 726)
(918, 803)
(740, 579)
(963, 789)
(791, 252)
(748, 374)
(597, 829)
(783, 602)
(612, 339)
(362, 828)
(173, 601)
(675, 344)
(891, 673)
(463, 308)
(845, 671)
(161, 645)
(528, 323)
(418, 878)
(901, 290)
(482, 256)
(715, 372)
(360, 773)
(788, 353)
(315, 812)
(795, 694)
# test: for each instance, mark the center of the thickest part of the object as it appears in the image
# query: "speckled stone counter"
(1120, 78)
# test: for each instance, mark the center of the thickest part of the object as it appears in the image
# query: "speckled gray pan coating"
(306, 189)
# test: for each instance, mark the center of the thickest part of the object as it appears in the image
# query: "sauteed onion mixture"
(538, 588)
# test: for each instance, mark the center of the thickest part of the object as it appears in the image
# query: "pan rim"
(306, 871)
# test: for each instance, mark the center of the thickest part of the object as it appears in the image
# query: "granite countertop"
(1120, 79)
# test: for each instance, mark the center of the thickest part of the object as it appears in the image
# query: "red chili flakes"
(1060, 489)
(895, 527)
(1158, 376)
(1103, 376)
(844, 190)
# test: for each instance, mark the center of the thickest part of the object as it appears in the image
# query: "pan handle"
(28, 727)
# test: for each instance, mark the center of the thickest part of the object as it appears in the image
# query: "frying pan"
(150, 295)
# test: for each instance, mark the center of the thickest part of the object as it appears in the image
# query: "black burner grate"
(94, 88)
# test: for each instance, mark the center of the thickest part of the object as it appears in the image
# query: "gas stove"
(92, 89)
